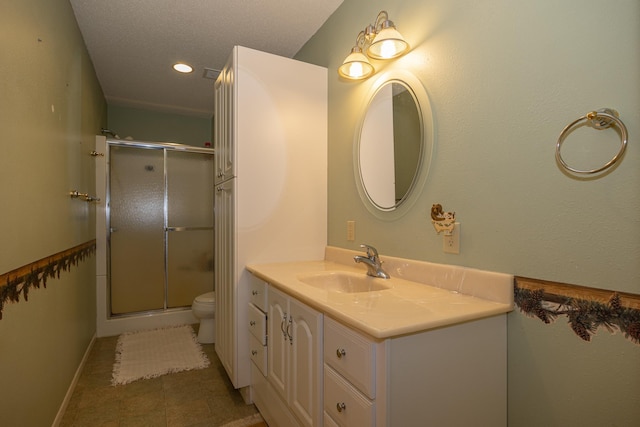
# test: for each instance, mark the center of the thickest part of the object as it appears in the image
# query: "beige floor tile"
(203, 397)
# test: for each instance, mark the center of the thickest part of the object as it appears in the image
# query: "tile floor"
(196, 398)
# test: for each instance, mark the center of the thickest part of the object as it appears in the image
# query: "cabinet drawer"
(258, 354)
(258, 324)
(258, 292)
(344, 404)
(351, 354)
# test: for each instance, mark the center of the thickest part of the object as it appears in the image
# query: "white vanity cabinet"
(415, 355)
(286, 374)
(450, 376)
(294, 361)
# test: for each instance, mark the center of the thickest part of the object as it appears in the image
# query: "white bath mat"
(149, 354)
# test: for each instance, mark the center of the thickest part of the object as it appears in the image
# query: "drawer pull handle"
(341, 406)
(340, 353)
(289, 325)
(282, 325)
(254, 352)
(254, 292)
(252, 323)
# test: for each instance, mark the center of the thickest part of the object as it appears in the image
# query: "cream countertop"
(422, 295)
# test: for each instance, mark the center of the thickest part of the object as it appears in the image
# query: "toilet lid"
(209, 297)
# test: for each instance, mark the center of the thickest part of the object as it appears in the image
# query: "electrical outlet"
(451, 243)
(351, 231)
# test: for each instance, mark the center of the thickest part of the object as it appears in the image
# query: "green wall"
(51, 108)
(158, 126)
(504, 77)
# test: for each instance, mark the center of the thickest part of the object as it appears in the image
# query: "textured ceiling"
(133, 43)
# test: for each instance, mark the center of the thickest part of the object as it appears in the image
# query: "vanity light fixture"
(380, 41)
(182, 68)
(356, 66)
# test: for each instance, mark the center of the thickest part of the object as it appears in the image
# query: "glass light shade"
(182, 68)
(356, 66)
(387, 44)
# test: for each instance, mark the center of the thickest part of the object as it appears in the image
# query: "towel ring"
(600, 119)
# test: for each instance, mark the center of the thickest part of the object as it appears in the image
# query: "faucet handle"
(371, 251)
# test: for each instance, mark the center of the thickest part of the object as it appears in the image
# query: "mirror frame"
(423, 105)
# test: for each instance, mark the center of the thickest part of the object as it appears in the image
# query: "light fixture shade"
(182, 67)
(388, 44)
(356, 66)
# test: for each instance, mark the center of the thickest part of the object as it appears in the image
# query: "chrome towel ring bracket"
(601, 119)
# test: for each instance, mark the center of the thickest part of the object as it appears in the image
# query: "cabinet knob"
(254, 292)
(254, 352)
(252, 323)
(341, 406)
(340, 352)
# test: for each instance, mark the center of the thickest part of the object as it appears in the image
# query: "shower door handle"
(187, 228)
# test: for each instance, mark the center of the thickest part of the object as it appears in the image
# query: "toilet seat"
(208, 298)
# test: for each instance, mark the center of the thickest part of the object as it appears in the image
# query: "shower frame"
(108, 323)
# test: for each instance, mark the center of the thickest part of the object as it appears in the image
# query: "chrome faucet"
(372, 261)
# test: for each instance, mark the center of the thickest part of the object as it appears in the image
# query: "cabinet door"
(224, 250)
(278, 346)
(224, 122)
(305, 367)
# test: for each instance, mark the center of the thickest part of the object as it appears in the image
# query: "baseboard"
(72, 386)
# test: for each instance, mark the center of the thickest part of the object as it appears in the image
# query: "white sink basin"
(340, 281)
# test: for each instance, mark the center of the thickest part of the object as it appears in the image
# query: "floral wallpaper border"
(586, 309)
(19, 281)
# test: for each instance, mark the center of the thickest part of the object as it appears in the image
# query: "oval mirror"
(393, 151)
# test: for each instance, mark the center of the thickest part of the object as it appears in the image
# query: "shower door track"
(164, 146)
(160, 145)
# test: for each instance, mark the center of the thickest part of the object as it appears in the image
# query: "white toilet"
(204, 309)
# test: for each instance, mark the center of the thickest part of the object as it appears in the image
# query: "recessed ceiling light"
(182, 68)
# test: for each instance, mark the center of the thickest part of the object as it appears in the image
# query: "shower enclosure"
(158, 228)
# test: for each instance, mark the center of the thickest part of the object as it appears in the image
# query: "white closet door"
(224, 255)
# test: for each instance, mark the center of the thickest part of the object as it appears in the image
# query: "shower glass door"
(160, 227)
(189, 227)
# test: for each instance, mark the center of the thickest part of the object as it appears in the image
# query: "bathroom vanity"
(331, 346)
